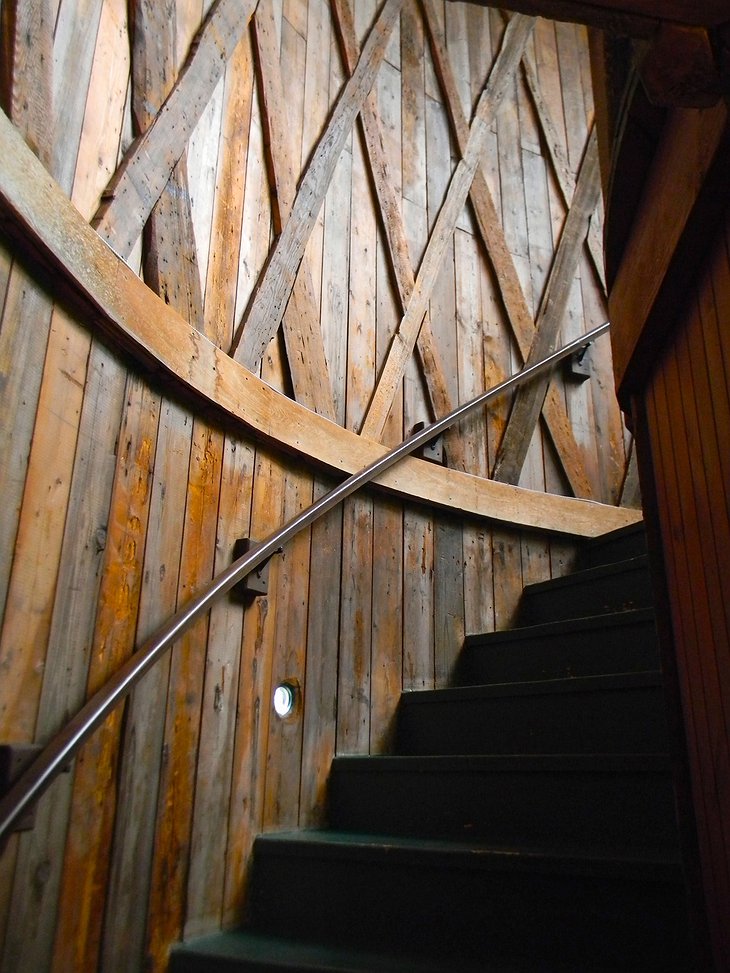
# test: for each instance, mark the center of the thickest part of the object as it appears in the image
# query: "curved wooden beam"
(45, 224)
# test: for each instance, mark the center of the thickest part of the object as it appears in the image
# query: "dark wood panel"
(687, 408)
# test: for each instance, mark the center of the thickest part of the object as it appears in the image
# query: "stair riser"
(559, 654)
(611, 811)
(470, 912)
(620, 545)
(582, 595)
(627, 721)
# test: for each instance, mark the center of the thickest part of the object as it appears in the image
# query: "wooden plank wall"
(685, 420)
(119, 501)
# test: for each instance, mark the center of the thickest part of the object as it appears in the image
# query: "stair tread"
(654, 865)
(277, 953)
(583, 623)
(569, 684)
(638, 563)
(578, 763)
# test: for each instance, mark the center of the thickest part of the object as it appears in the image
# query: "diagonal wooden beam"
(513, 297)
(48, 231)
(140, 179)
(529, 399)
(277, 281)
(563, 174)
(395, 232)
(401, 348)
(302, 331)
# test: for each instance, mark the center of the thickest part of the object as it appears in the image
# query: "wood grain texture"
(151, 839)
(511, 289)
(137, 184)
(528, 400)
(302, 331)
(676, 177)
(405, 337)
(441, 403)
(275, 287)
(172, 345)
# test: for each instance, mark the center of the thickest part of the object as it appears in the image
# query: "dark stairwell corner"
(524, 822)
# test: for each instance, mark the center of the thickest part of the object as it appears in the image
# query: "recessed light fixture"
(285, 698)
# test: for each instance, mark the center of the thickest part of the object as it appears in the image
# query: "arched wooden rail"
(39, 215)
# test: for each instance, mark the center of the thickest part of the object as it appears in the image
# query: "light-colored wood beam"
(634, 18)
(44, 224)
(513, 297)
(139, 181)
(529, 399)
(277, 281)
(395, 232)
(401, 349)
(302, 331)
(563, 174)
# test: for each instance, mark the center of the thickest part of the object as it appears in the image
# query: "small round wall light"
(286, 697)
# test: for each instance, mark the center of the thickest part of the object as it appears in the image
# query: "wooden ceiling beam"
(632, 18)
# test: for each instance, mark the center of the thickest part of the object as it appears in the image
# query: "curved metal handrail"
(63, 747)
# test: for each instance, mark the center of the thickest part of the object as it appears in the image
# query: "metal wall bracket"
(433, 450)
(578, 365)
(256, 583)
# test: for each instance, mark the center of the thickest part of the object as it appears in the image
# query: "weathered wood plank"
(635, 18)
(404, 340)
(219, 296)
(393, 225)
(672, 210)
(302, 331)
(275, 286)
(563, 173)
(418, 600)
(206, 879)
(144, 173)
(386, 674)
(115, 299)
(254, 697)
(528, 401)
(87, 858)
(73, 598)
(448, 599)
(169, 874)
(284, 744)
(144, 718)
(26, 310)
(32, 926)
(319, 732)
(513, 297)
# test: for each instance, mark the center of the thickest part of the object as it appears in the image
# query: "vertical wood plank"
(320, 702)
(86, 866)
(254, 698)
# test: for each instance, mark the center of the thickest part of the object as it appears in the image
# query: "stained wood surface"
(413, 179)
(687, 410)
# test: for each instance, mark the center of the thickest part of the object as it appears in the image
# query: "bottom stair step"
(248, 952)
(440, 899)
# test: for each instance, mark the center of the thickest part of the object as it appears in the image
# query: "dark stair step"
(608, 801)
(471, 902)
(621, 713)
(595, 591)
(242, 951)
(619, 642)
(618, 545)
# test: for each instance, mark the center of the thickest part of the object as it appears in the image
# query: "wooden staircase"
(525, 821)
